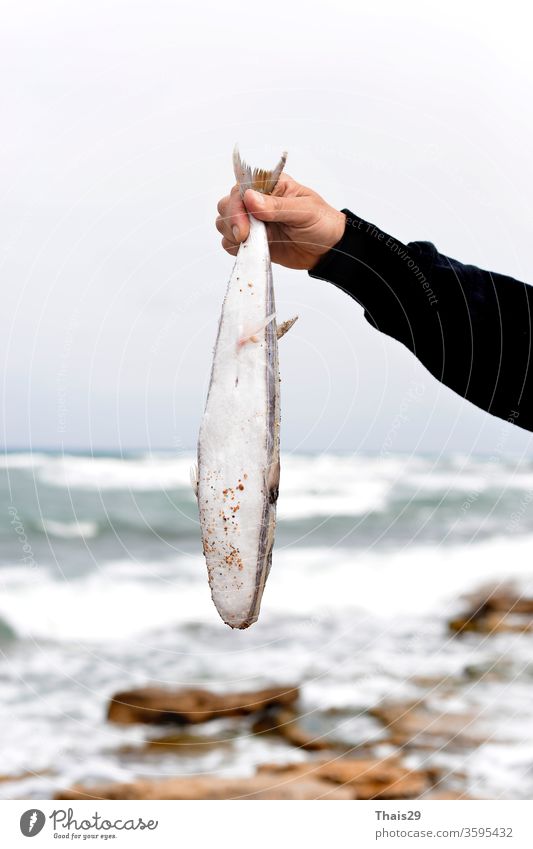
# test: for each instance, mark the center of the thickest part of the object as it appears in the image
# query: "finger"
(232, 221)
(284, 184)
(230, 247)
(284, 210)
(222, 205)
(222, 222)
(237, 217)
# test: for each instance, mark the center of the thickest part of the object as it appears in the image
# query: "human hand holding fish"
(301, 226)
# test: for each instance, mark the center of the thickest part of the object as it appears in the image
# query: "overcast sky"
(118, 121)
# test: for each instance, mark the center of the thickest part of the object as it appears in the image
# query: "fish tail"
(256, 178)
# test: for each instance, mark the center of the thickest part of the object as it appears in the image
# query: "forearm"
(470, 328)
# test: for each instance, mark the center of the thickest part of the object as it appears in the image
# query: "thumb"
(287, 210)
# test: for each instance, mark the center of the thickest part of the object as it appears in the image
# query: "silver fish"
(237, 477)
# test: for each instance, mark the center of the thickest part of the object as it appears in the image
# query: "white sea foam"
(92, 609)
(304, 582)
(415, 580)
(330, 485)
(494, 766)
(70, 530)
(22, 460)
(102, 473)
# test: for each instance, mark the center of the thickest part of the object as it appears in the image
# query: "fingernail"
(236, 233)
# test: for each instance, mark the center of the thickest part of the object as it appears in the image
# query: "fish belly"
(238, 439)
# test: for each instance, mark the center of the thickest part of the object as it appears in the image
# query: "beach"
(103, 589)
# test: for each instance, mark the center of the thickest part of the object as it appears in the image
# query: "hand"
(301, 226)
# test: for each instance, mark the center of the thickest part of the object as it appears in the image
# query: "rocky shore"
(347, 772)
(494, 610)
(396, 763)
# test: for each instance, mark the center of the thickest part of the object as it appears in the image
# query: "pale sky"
(118, 123)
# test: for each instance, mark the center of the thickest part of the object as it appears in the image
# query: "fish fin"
(252, 337)
(272, 482)
(285, 326)
(194, 479)
(257, 179)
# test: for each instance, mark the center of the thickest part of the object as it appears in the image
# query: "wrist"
(339, 226)
(335, 232)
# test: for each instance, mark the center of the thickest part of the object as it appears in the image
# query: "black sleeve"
(470, 328)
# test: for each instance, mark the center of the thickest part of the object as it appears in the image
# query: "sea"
(103, 587)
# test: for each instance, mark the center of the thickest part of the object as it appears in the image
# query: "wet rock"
(367, 778)
(505, 599)
(191, 706)
(490, 670)
(284, 723)
(187, 744)
(492, 623)
(496, 610)
(265, 786)
(414, 725)
(342, 778)
(441, 683)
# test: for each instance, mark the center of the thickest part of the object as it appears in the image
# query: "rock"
(413, 725)
(505, 599)
(284, 723)
(267, 786)
(489, 670)
(495, 610)
(342, 778)
(368, 778)
(440, 683)
(447, 794)
(491, 623)
(187, 744)
(192, 706)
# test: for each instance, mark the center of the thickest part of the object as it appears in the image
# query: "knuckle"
(272, 207)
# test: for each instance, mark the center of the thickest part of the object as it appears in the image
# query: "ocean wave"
(300, 473)
(149, 472)
(397, 496)
(22, 460)
(124, 602)
(93, 609)
(70, 530)
(7, 633)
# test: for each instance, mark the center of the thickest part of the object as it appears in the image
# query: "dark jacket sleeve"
(470, 328)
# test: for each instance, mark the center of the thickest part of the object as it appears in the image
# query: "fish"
(236, 480)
